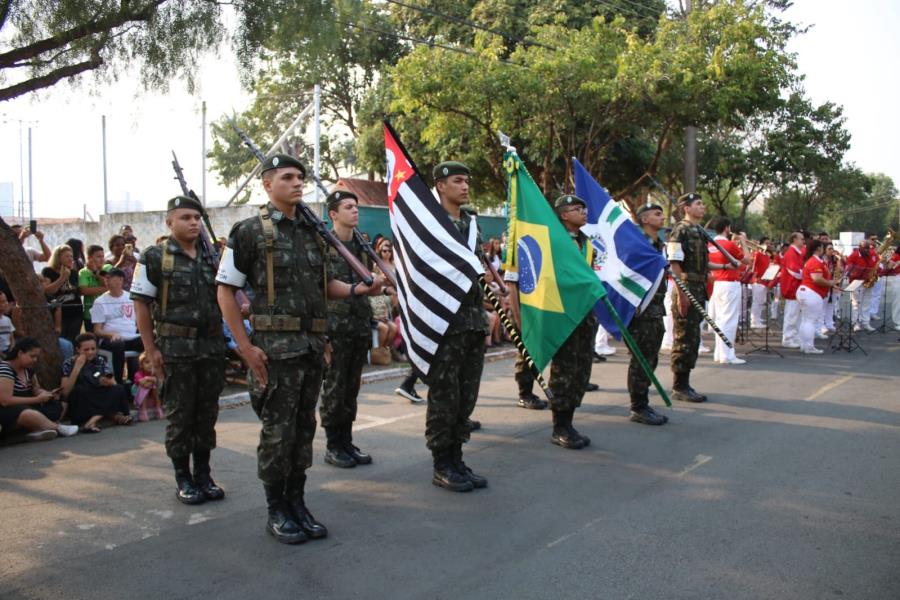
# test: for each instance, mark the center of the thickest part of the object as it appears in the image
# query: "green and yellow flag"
(557, 285)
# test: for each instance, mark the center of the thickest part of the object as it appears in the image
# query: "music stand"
(843, 336)
(768, 277)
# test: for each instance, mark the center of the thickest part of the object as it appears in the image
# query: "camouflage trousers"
(686, 342)
(570, 369)
(648, 334)
(524, 376)
(287, 409)
(342, 380)
(453, 383)
(190, 395)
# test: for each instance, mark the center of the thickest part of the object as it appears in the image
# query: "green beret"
(185, 202)
(688, 198)
(448, 168)
(279, 161)
(645, 207)
(568, 200)
(335, 198)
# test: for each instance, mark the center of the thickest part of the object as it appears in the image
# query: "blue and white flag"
(630, 267)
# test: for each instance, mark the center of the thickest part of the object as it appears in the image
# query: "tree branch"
(51, 78)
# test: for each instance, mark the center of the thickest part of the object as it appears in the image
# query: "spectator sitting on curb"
(90, 388)
(23, 404)
(114, 323)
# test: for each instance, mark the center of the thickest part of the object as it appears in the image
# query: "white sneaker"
(857, 327)
(734, 361)
(812, 350)
(790, 345)
(703, 349)
(868, 327)
(41, 436)
(875, 317)
(821, 336)
(669, 348)
(608, 351)
(66, 430)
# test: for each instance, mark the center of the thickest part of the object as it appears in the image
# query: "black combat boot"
(682, 390)
(186, 492)
(473, 425)
(573, 431)
(643, 414)
(530, 401)
(295, 498)
(564, 434)
(358, 456)
(477, 480)
(591, 387)
(281, 523)
(447, 476)
(335, 454)
(202, 478)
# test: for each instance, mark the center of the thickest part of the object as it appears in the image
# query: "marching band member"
(892, 281)
(878, 287)
(859, 266)
(726, 294)
(833, 299)
(811, 295)
(760, 263)
(791, 276)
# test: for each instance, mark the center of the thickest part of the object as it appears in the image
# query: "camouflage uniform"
(524, 376)
(455, 374)
(647, 329)
(570, 369)
(694, 267)
(189, 336)
(350, 332)
(290, 332)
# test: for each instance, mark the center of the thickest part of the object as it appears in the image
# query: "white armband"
(228, 273)
(140, 285)
(674, 251)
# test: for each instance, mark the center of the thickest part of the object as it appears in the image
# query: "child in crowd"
(145, 390)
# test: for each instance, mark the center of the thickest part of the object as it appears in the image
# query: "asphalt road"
(785, 485)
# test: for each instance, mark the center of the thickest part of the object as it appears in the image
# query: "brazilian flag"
(557, 284)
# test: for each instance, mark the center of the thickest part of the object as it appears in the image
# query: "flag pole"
(632, 345)
(515, 337)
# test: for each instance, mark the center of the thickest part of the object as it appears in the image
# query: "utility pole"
(21, 176)
(317, 97)
(690, 139)
(105, 189)
(203, 161)
(30, 179)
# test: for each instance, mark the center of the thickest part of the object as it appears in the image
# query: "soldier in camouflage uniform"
(455, 374)
(177, 282)
(647, 328)
(350, 333)
(524, 376)
(689, 259)
(570, 369)
(280, 257)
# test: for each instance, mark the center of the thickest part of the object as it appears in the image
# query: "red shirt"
(815, 265)
(791, 272)
(860, 267)
(717, 258)
(896, 270)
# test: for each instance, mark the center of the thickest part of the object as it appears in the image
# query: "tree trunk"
(37, 322)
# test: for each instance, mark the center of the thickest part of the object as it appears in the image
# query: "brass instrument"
(883, 249)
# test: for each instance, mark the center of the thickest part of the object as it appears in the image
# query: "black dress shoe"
(646, 416)
(339, 458)
(474, 425)
(532, 402)
(592, 387)
(599, 358)
(187, 492)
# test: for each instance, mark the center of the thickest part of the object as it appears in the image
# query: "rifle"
(364, 274)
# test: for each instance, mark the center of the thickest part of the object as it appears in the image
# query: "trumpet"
(736, 237)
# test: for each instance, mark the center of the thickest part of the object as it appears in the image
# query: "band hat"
(280, 161)
(185, 202)
(645, 207)
(688, 198)
(337, 196)
(568, 200)
(448, 168)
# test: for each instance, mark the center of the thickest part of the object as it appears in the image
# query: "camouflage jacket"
(191, 301)
(691, 242)
(471, 315)
(300, 276)
(656, 309)
(349, 317)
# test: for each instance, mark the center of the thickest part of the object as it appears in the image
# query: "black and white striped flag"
(436, 267)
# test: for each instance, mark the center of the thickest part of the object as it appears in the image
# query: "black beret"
(279, 161)
(335, 198)
(689, 198)
(645, 207)
(448, 168)
(185, 202)
(568, 200)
